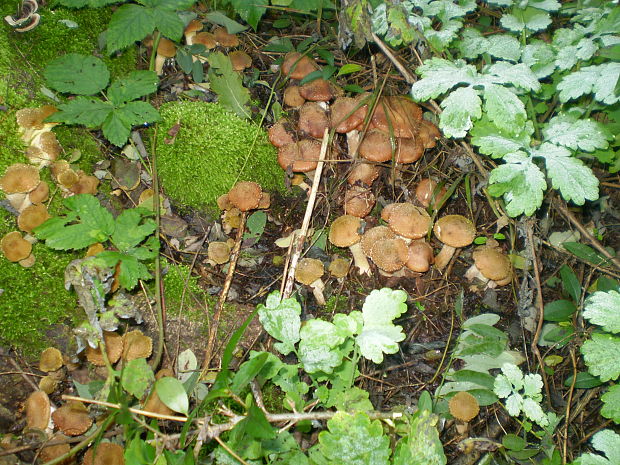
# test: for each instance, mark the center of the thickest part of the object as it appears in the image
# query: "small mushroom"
(300, 157)
(407, 220)
(15, 247)
(463, 406)
(376, 146)
(48, 384)
(491, 266)
(207, 39)
(38, 410)
(20, 178)
(218, 252)
(32, 216)
(49, 453)
(136, 345)
(40, 193)
(420, 256)
(318, 90)
(339, 267)
(50, 360)
(279, 134)
(364, 173)
(427, 193)
(113, 349)
(313, 119)
(397, 115)
(245, 195)
(344, 232)
(454, 231)
(225, 39)
(292, 98)
(298, 66)
(105, 453)
(389, 254)
(166, 49)
(240, 60)
(72, 419)
(191, 30)
(309, 272)
(85, 184)
(373, 235)
(358, 201)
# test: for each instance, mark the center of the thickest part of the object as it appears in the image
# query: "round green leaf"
(172, 394)
(559, 310)
(514, 442)
(77, 74)
(584, 381)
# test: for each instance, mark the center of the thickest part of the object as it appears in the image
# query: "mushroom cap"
(166, 48)
(224, 38)
(50, 360)
(40, 193)
(218, 252)
(347, 114)
(298, 66)
(364, 173)
(428, 134)
(15, 247)
(279, 135)
(309, 270)
(455, 230)
(409, 221)
(292, 97)
(420, 256)
(19, 178)
(49, 453)
(313, 119)
(32, 216)
(376, 146)
(38, 411)
(50, 145)
(33, 118)
(85, 184)
(48, 384)
(67, 178)
(205, 38)
(113, 349)
(424, 192)
(389, 254)
(318, 90)
(136, 345)
(339, 267)
(240, 60)
(463, 406)
(28, 262)
(72, 418)
(408, 150)
(94, 249)
(301, 157)
(373, 235)
(193, 27)
(399, 113)
(108, 453)
(358, 201)
(245, 195)
(492, 263)
(223, 203)
(232, 218)
(344, 231)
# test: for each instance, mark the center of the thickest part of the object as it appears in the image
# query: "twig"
(301, 237)
(131, 409)
(399, 66)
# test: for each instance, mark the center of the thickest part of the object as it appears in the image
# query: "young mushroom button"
(491, 266)
(453, 231)
(309, 272)
(344, 232)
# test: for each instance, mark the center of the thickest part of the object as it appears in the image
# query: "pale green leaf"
(532, 386)
(570, 175)
(461, 107)
(172, 393)
(599, 80)
(504, 108)
(514, 404)
(135, 85)
(497, 143)
(136, 377)
(421, 445)
(250, 12)
(439, 76)
(77, 74)
(521, 183)
(607, 442)
(472, 43)
(603, 309)
(504, 47)
(601, 356)
(316, 349)
(514, 374)
(534, 412)
(576, 134)
(376, 341)
(128, 24)
(611, 403)
(354, 440)
(519, 75)
(539, 56)
(228, 85)
(528, 19)
(83, 110)
(568, 56)
(281, 319)
(502, 386)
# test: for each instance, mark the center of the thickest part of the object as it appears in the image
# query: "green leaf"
(172, 393)
(576, 134)
(570, 283)
(228, 85)
(439, 76)
(135, 85)
(317, 348)
(257, 425)
(136, 377)
(93, 224)
(584, 380)
(481, 379)
(379, 335)
(116, 128)
(281, 319)
(247, 372)
(559, 310)
(603, 309)
(168, 23)
(128, 24)
(521, 183)
(233, 27)
(83, 110)
(421, 445)
(132, 227)
(539, 56)
(601, 356)
(514, 442)
(611, 403)
(518, 75)
(528, 19)
(584, 252)
(250, 12)
(504, 108)
(130, 270)
(349, 68)
(138, 113)
(607, 442)
(354, 440)
(77, 74)
(599, 80)
(461, 107)
(496, 142)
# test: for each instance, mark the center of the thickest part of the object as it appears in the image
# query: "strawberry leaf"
(135, 85)
(77, 74)
(83, 110)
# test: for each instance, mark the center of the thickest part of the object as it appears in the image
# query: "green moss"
(211, 151)
(177, 290)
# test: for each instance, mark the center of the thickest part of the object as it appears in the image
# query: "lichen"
(212, 149)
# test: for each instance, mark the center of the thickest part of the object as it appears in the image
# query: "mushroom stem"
(317, 291)
(353, 141)
(159, 64)
(444, 256)
(474, 273)
(359, 259)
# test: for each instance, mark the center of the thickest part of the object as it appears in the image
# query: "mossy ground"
(211, 151)
(32, 300)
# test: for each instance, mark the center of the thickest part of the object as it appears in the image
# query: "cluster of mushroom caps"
(194, 34)
(23, 187)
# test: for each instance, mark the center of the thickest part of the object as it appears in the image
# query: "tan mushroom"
(136, 345)
(280, 134)
(33, 216)
(427, 193)
(292, 98)
(309, 272)
(491, 266)
(20, 178)
(313, 119)
(72, 418)
(407, 220)
(50, 360)
(191, 30)
(31, 121)
(85, 184)
(463, 406)
(48, 384)
(104, 453)
(358, 201)
(113, 349)
(408, 150)
(15, 247)
(389, 254)
(240, 60)
(40, 193)
(38, 410)
(373, 235)
(376, 146)
(344, 232)
(364, 173)
(49, 453)
(300, 157)
(245, 195)
(454, 231)
(397, 115)
(218, 252)
(318, 90)
(420, 256)
(165, 49)
(339, 267)
(153, 403)
(225, 39)
(207, 39)
(298, 66)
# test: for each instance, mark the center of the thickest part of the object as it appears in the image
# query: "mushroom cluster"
(244, 196)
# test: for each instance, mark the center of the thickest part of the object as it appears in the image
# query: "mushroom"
(373, 235)
(279, 134)
(31, 121)
(376, 146)
(344, 232)
(20, 178)
(313, 119)
(339, 267)
(358, 201)
(32, 216)
(72, 418)
(309, 272)
(240, 60)
(136, 345)
(225, 39)
(245, 195)
(105, 453)
(50, 360)
(420, 256)
(48, 384)
(165, 49)
(347, 116)
(292, 97)
(318, 90)
(298, 66)
(49, 453)
(397, 115)
(300, 157)
(491, 266)
(408, 150)
(218, 252)
(428, 134)
(191, 30)
(464, 407)
(454, 231)
(389, 254)
(38, 410)
(407, 220)
(153, 403)
(364, 173)
(15, 247)
(40, 193)
(85, 184)
(207, 40)
(427, 193)
(113, 349)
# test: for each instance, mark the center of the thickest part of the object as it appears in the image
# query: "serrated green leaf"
(472, 43)
(601, 356)
(498, 143)
(504, 47)
(282, 321)
(135, 85)
(439, 76)
(136, 377)
(116, 128)
(528, 19)
(603, 309)
(132, 227)
(559, 310)
(599, 80)
(318, 346)
(521, 183)
(569, 55)
(227, 84)
(534, 412)
(130, 270)
(518, 75)
(168, 23)
(570, 175)
(611, 403)
(354, 440)
(504, 109)
(172, 393)
(83, 110)
(574, 133)
(461, 108)
(539, 56)
(607, 442)
(421, 445)
(250, 12)
(128, 24)
(232, 26)
(77, 74)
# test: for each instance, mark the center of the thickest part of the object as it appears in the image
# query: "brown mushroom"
(491, 266)
(136, 345)
(72, 418)
(358, 201)
(191, 30)
(463, 406)
(397, 115)
(218, 252)
(165, 49)
(40, 193)
(240, 60)
(300, 157)
(344, 232)
(113, 349)
(50, 360)
(245, 195)
(427, 193)
(33, 216)
(376, 146)
(292, 98)
(408, 220)
(224, 38)
(339, 267)
(318, 90)
(207, 39)
(15, 247)
(85, 184)
(408, 150)
(454, 231)
(389, 254)
(298, 66)
(374, 235)
(49, 453)
(313, 119)
(105, 453)
(279, 134)
(420, 256)
(38, 410)
(20, 178)
(364, 173)
(309, 272)
(428, 134)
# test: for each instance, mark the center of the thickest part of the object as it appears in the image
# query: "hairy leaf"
(439, 76)
(599, 80)
(539, 56)
(136, 377)
(607, 442)
(130, 269)
(461, 107)
(135, 85)
(603, 309)
(421, 445)
(611, 403)
(497, 143)
(318, 346)
(504, 108)
(576, 134)
(227, 84)
(601, 355)
(77, 74)
(528, 19)
(129, 24)
(281, 319)
(83, 110)
(132, 227)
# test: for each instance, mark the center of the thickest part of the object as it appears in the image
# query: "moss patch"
(212, 149)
